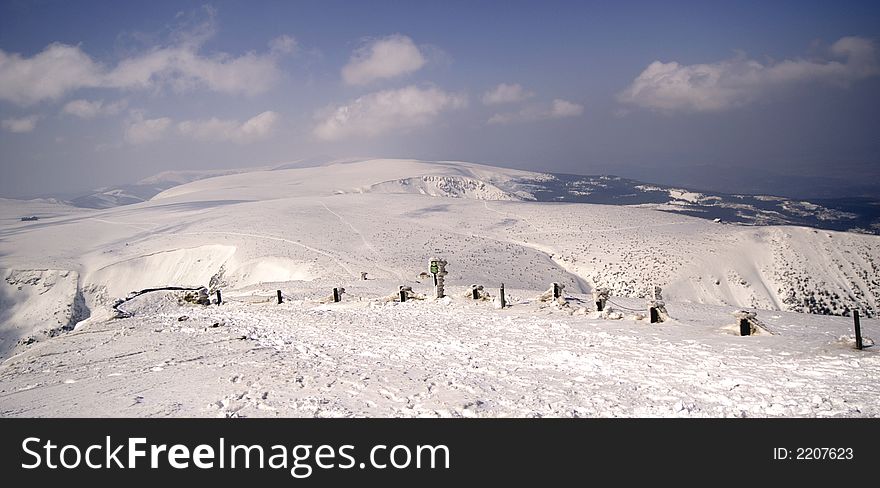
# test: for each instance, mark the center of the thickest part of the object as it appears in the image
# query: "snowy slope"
(853, 214)
(306, 230)
(35, 304)
(346, 177)
(143, 190)
(363, 357)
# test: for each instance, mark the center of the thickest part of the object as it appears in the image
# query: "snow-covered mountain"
(143, 190)
(327, 223)
(307, 230)
(854, 214)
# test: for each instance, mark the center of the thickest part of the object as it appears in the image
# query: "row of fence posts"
(557, 292)
(280, 298)
(745, 327)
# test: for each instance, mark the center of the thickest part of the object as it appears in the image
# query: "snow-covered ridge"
(443, 186)
(463, 180)
(358, 177)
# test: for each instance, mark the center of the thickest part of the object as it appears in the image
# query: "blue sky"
(745, 96)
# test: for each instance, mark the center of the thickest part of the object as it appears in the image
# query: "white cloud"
(564, 108)
(387, 57)
(382, 111)
(86, 109)
(283, 45)
(62, 68)
(506, 93)
(183, 68)
(48, 75)
(139, 130)
(558, 109)
(20, 125)
(256, 128)
(739, 81)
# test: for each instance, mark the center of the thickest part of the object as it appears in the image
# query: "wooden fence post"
(503, 303)
(219, 298)
(336, 295)
(745, 328)
(402, 294)
(858, 327)
(279, 296)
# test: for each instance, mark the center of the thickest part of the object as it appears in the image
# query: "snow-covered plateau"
(66, 351)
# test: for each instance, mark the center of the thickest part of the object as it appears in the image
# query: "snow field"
(305, 231)
(457, 358)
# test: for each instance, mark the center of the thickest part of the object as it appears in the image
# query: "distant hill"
(143, 190)
(843, 214)
(856, 214)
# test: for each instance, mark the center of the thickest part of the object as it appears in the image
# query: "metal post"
(475, 294)
(278, 292)
(336, 294)
(859, 344)
(503, 303)
(219, 299)
(744, 327)
(402, 294)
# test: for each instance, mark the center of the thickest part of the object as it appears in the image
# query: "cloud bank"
(256, 128)
(383, 111)
(735, 82)
(20, 125)
(61, 68)
(140, 131)
(506, 93)
(86, 109)
(558, 109)
(388, 57)
(259, 127)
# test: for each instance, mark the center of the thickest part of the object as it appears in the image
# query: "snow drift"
(36, 304)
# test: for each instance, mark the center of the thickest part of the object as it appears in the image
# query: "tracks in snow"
(365, 241)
